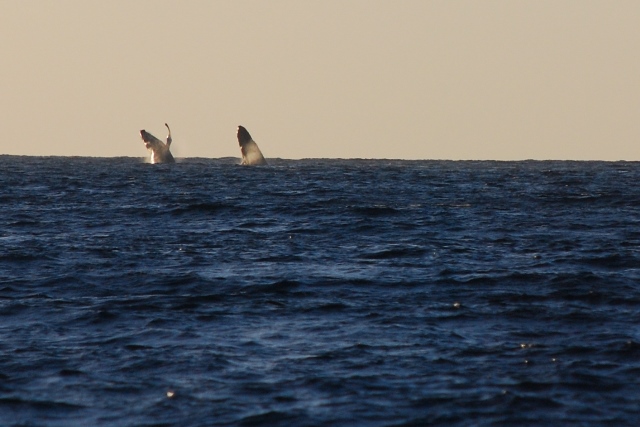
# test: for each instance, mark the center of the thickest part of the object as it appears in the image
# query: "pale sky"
(402, 79)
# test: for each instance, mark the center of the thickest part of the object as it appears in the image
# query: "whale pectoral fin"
(169, 135)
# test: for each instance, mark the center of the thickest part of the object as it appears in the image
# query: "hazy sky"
(512, 79)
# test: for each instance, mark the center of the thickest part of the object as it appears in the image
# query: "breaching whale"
(159, 150)
(251, 154)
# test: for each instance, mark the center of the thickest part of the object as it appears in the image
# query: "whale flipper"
(251, 154)
(159, 150)
(168, 136)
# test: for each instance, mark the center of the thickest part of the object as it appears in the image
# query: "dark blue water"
(319, 292)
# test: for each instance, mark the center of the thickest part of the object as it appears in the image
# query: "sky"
(396, 79)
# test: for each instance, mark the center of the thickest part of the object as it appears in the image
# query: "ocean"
(319, 293)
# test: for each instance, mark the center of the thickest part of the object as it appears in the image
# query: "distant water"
(318, 293)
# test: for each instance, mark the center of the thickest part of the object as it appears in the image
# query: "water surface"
(318, 292)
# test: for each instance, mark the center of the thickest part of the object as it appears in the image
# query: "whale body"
(160, 152)
(251, 154)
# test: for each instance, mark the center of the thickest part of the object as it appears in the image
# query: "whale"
(160, 152)
(251, 154)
